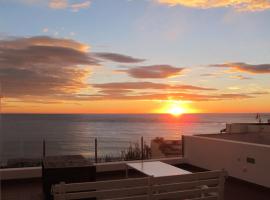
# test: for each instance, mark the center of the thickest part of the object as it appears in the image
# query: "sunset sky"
(134, 56)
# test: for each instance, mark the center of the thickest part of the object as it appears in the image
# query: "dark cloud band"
(244, 67)
(118, 58)
(153, 71)
(147, 85)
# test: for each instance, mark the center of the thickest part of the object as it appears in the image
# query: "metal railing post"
(142, 156)
(43, 148)
(96, 160)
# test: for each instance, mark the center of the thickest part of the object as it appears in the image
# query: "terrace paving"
(32, 189)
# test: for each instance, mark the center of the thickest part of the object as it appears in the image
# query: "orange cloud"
(81, 5)
(63, 4)
(239, 5)
(58, 4)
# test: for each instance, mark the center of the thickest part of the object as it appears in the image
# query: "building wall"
(235, 157)
(155, 150)
(166, 148)
(248, 128)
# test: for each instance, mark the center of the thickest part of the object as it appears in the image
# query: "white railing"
(200, 186)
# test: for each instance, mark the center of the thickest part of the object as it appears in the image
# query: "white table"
(155, 169)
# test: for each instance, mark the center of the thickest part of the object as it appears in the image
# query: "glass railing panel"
(22, 153)
(26, 153)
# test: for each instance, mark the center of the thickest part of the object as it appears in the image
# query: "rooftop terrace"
(31, 189)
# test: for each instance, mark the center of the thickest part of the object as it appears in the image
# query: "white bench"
(197, 186)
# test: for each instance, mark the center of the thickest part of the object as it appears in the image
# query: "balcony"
(17, 185)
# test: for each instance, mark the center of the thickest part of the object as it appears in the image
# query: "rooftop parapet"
(248, 128)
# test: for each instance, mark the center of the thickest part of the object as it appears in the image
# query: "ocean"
(22, 135)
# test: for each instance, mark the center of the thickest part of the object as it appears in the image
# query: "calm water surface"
(22, 134)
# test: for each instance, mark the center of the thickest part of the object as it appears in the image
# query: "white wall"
(232, 156)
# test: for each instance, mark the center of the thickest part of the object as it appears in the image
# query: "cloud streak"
(240, 77)
(120, 58)
(82, 5)
(244, 67)
(140, 91)
(73, 5)
(21, 43)
(148, 85)
(64, 4)
(239, 5)
(153, 71)
(165, 96)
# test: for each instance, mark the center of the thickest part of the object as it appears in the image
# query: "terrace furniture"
(155, 169)
(196, 186)
(71, 169)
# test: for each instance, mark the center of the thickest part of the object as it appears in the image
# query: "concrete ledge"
(205, 137)
(20, 173)
(36, 172)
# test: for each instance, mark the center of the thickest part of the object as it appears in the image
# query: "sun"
(176, 110)
(174, 107)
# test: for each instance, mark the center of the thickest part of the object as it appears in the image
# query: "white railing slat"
(102, 185)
